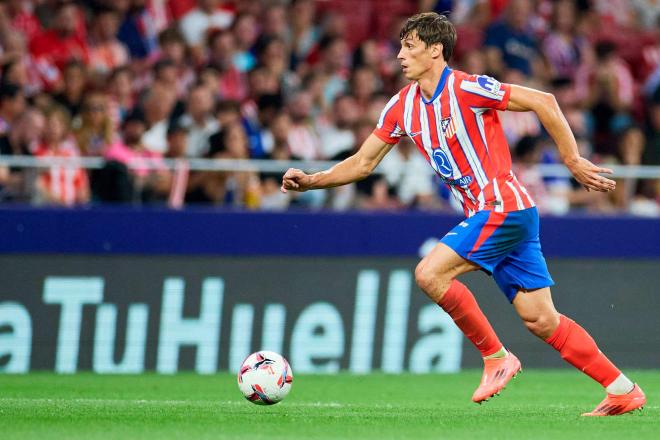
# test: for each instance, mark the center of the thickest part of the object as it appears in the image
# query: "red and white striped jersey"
(460, 135)
(64, 185)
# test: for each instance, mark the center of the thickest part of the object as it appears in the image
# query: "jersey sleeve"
(483, 91)
(390, 123)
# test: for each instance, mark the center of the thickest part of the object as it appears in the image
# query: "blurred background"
(181, 103)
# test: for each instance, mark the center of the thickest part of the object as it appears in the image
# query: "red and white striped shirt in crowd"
(65, 185)
(460, 135)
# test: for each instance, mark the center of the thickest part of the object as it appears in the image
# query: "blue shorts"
(506, 245)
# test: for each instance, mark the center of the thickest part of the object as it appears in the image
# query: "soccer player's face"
(415, 57)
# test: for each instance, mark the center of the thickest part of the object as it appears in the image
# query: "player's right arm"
(361, 164)
(352, 169)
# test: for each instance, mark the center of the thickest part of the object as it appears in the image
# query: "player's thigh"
(436, 270)
(523, 269)
(537, 310)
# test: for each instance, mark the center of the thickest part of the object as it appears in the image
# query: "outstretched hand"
(295, 180)
(589, 176)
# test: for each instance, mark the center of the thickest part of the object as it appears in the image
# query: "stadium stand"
(151, 85)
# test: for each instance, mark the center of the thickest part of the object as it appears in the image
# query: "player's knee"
(421, 275)
(431, 281)
(543, 324)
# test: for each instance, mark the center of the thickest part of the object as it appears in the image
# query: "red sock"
(460, 304)
(580, 350)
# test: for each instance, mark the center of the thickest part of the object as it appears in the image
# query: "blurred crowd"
(140, 81)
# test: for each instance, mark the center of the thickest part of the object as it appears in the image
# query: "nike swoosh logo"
(415, 134)
(482, 341)
(451, 233)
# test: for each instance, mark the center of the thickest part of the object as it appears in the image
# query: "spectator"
(277, 134)
(245, 30)
(165, 76)
(121, 96)
(303, 34)
(271, 196)
(25, 133)
(334, 66)
(60, 185)
(366, 55)
(228, 113)
(274, 21)
(14, 72)
(158, 105)
(106, 51)
(61, 43)
(647, 12)
(12, 103)
(199, 120)
(71, 96)
(527, 155)
(303, 138)
(20, 141)
(364, 85)
(173, 50)
(350, 196)
(510, 43)
(21, 19)
(518, 124)
(610, 96)
(475, 62)
(207, 15)
(652, 153)
(232, 83)
(225, 188)
(151, 179)
(138, 31)
(95, 132)
(408, 177)
(273, 56)
(315, 85)
(630, 150)
(177, 142)
(563, 47)
(336, 133)
(20, 68)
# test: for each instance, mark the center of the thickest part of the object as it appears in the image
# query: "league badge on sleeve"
(484, 86)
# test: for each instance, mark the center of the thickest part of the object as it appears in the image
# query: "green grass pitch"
(537, 405)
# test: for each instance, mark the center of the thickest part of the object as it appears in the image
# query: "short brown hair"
(432, 28)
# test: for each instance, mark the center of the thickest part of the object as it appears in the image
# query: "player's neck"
(429, 81)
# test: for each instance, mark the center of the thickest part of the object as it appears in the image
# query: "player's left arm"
(547, 109)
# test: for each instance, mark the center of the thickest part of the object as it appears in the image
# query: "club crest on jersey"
(448, 127)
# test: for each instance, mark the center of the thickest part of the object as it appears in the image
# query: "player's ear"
(436, 50)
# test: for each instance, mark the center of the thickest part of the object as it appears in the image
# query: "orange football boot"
(616, 404)
(497, 373)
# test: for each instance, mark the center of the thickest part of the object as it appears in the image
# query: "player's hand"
(589, 176)
(295, 180)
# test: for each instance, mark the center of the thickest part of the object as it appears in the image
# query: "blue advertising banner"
(145, 231)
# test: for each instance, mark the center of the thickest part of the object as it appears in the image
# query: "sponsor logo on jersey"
(442, 166)
(448, 127)
(463, 181)
(441, 163)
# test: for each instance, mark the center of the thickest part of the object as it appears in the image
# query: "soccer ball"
(265, 378)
